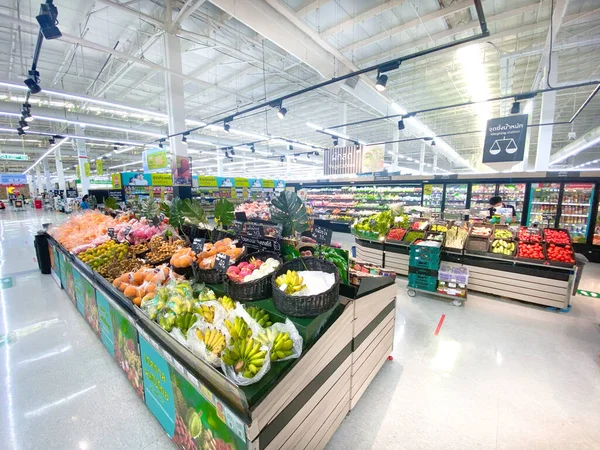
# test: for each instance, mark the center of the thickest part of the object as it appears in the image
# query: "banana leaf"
(224, 212)
(150, 208)
(174, 213)
(289, 211)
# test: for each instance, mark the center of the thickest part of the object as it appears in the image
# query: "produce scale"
(218, 369)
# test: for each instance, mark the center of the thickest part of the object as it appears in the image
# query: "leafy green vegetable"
(290, 212)
(224, 212)
(111, 203)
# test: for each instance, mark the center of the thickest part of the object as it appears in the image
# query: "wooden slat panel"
(396, 257)
(367, 251)
(371, 342)
(330, 425)
(507, 290)
(310, 364)
(359, 377)
(363, 321)
(516, 284)
(357, 394)
(370, 305)
(518, 296)
(320, 404)
(398, 268)
(515, 276)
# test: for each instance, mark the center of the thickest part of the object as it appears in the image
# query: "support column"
(219, 163)
(81, 160)
(544, 146)
(60, 173)
(47, 178)
(175, 100)
(39, 186)
(395, 149)
(422, 159)
(31, 184)
(343, 112)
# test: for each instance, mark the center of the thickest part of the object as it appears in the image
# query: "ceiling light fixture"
(290, 147)
(516, 108)
(26, 112)
(252, 149)
(316, 153)
(24, 125)
(433, 142)
(32, 82)
(381, 82)
(51, 141)
(48, 19)
(232, 150)
(226, 127)
(281, 112)
(401, 125)
(160, 143)
(184, 138)
(282, 158)
(20, 131)
(335, 142)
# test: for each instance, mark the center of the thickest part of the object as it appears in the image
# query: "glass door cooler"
(576, 210)
(514, 195)
(432, 196)
(596, 240)
(481, 194)
(543, 204)
(455, 201)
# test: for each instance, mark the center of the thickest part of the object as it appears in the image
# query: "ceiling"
(239, 53)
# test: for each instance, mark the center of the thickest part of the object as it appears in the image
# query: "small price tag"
(253, 229)
(198, 245)
(111, 233)
(322, 235)
(237, 227)
(156, 221)
(221, 262)
(127, 230)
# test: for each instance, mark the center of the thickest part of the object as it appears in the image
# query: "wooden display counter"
(542, 284)
(299, 404)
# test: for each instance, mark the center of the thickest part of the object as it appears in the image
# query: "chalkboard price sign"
(237, 227)
(198, 245)
(221, 262)
(156, 221)
(322, 235)
(111, 233)
(241, 216)
(253, 229)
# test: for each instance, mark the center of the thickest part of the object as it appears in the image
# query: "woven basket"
(252, 290)
(311, 305)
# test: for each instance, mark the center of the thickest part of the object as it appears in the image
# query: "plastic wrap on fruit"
(283, 340)
(166, 319)
(206, 294)
(152, 305)
(180, 305)
(245, 361)
(185, 321)
(210, 311)
(208, 341)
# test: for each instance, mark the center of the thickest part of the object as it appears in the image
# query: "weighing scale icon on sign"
(508, 145)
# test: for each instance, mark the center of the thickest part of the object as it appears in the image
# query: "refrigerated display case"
(596, 238)
(543, 204)
(481, 194)
(455, 201)
(576, 210)
(514, 195)
(432, 196)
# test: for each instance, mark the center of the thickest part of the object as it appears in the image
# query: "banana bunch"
(238, 329)
(282, 343)
(207, 312)
(213, 339)
(245, 357)
(227, 303)
(185, 321)
(260, 315)
(290, 282)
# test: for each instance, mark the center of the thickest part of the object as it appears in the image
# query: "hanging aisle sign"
(14, 157)
(99, 167)
(155, 159)
(505, 139)
(373, 158)
(343, 160)
(13, 179)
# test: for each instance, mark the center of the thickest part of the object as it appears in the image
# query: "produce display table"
(298, 404)
(540, 283)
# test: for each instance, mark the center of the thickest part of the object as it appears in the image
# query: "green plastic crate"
(424, 282)
(424, 263)
(425, 252)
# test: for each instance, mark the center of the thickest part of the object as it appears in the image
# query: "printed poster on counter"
(79, 291)
(155, 159)
(136, 179)
(182, 171)
(115, 179)
(505, 139)
(127, 350)
(105, 323)
(91, 307)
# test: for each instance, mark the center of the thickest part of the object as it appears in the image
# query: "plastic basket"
(453, 274)
(311, 305)
(424, 282)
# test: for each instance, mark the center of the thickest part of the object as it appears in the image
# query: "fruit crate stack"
(423, 265)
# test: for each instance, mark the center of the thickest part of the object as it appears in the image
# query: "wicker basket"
(306, 306)
(252, 290)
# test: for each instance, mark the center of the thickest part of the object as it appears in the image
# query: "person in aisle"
(496, 203)
(84, 203)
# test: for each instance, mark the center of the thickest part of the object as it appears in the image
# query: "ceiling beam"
(375, 11)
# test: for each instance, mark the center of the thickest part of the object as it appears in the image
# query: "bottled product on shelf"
(455, 201)
(543, 203)
(576, 210)
(481, 194)
(513, 194)
(432, 196)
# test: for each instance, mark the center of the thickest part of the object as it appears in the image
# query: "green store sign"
(13, 157)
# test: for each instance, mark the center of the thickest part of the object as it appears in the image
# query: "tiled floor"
(499, 375)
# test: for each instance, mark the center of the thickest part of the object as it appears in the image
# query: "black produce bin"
(42, 253)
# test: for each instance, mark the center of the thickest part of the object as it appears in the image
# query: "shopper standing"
(84, 203)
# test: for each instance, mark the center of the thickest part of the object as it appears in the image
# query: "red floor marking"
(34, 260)
(440, 323)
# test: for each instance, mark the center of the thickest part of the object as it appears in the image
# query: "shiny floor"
(499, 375)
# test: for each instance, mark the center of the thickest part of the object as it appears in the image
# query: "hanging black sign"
(221, 262)
(505, 139)
(71, 193)
(451, 176)
(241, 216)
(322, 235)
(198, 245)
(564, 174)
(342, 160)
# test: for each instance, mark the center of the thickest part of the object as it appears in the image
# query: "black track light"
(335, 142)
(32, 82)
(232, 150)
(252, 149)
(51, 141)
(26, 112)
(401, 124)
(433, 142)
(281, 112)
(516, 108)
(308, 156)
(290, 147)
(282, 158)
(316, 153)
(184, 138)
(381, 82)
(24, 125)
(20, 131)
(160, 143)
(115, 148)
(226, 127)
(48, 19)
(226, 154)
